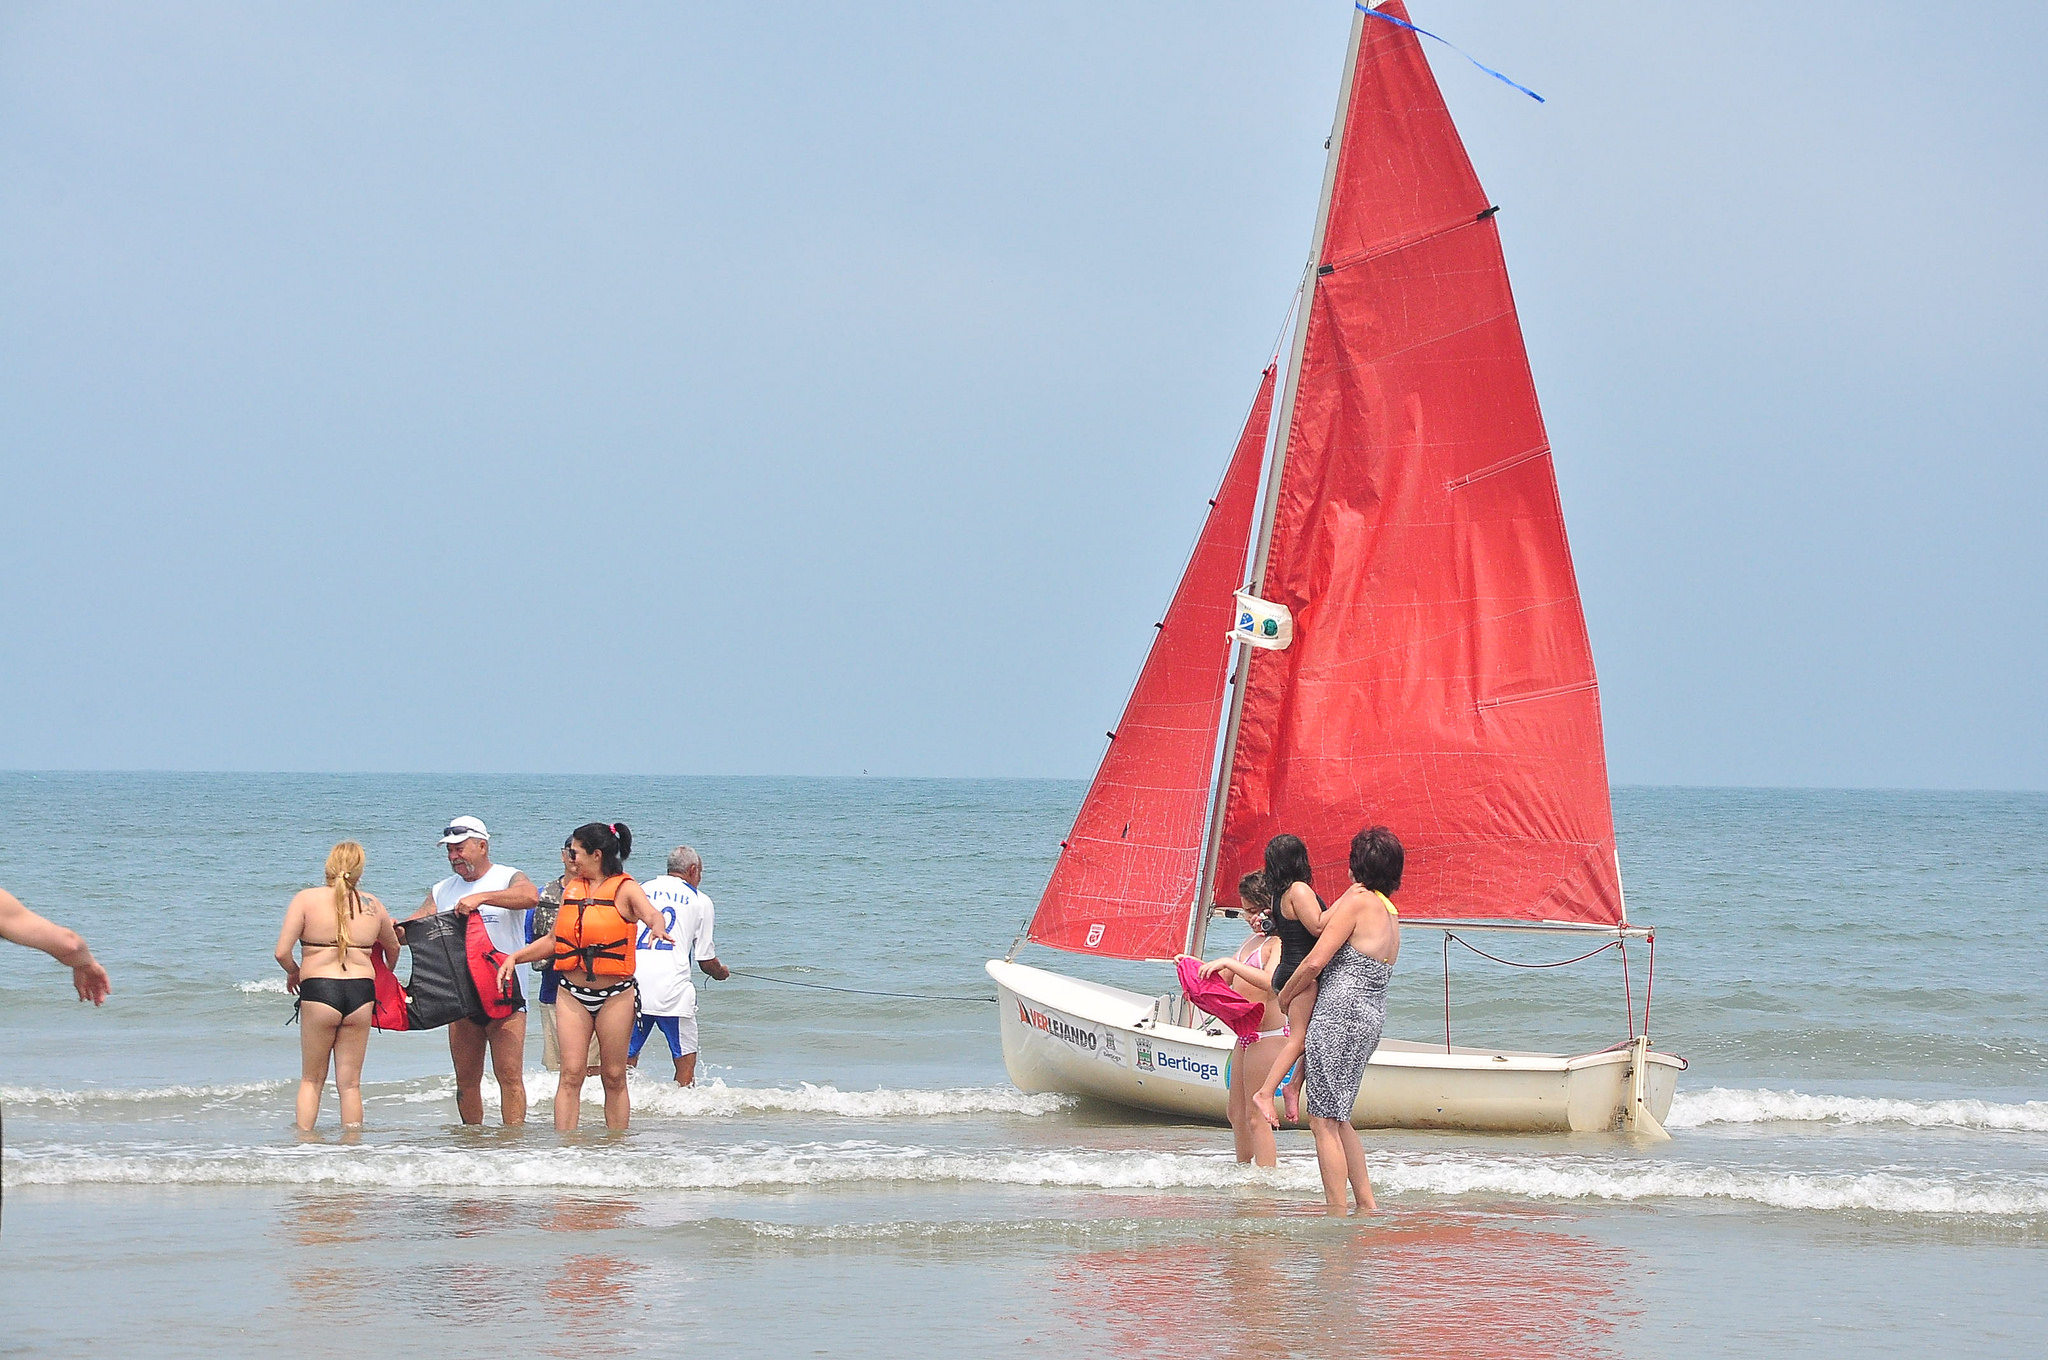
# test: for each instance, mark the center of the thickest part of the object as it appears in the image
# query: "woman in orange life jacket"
(591, 947)
(334, 927)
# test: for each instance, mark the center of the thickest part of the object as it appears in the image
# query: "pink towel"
(1215, 996)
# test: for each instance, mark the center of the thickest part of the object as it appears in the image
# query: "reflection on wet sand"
(589, 1294)
(323, 1220)
(588, 1215)
(1405, 1285)
(584, 1299)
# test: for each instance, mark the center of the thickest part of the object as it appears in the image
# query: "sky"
(808, 389)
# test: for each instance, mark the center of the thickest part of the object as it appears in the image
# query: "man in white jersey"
(504, 896)
(668, 997)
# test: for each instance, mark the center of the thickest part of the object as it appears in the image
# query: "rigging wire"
(860, 991)
(1617, 943)
(1370, 12)
(1287, 321)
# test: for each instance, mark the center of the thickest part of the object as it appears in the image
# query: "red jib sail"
(1440, 681)
(1125, 882)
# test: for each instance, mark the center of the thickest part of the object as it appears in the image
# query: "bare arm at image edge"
(19, 924)
(706, 951)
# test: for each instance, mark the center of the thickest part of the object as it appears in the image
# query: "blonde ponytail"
(345, 872)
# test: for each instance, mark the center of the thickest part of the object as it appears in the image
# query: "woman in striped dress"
(1350, 965)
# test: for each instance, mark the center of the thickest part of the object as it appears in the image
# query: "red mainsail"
(1125, 882)
(1440, 681)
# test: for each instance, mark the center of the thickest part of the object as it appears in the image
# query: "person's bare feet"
(1293, 1101)
(1262, 1101)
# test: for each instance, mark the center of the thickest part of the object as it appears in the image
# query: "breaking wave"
(659, 1099)
(719, 1101)
(651, 1098)
(275, 984)
(730, 1168)
(1561, 1179)
(139, 1095)
(776, 1166)
(1720, 1105)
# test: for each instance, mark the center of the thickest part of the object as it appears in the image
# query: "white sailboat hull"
(1064, 1035)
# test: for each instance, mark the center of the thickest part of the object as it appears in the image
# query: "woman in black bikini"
(334, 928)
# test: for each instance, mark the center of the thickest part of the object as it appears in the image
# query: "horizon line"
(921, 778)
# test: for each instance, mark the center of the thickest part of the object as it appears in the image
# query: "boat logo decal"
(1144, 1056)
(1095, 935)
(1262, 623)
(1111, 1052)
(1083, 1039)
(1189, 1067)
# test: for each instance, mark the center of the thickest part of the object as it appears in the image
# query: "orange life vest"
(592, 934)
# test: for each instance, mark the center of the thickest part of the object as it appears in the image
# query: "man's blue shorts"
(680, 1031)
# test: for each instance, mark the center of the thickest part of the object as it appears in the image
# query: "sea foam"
(1582, 1179)
(653, 1097)
(871, 1164)
(1720, 1105)
(716, 1100)
(756, 1166)
(133, 1095)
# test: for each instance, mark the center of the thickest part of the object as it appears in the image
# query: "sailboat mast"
(1205, 887)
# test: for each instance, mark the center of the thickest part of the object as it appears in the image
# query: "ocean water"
(1859, 1161)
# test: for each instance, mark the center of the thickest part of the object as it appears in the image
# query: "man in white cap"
(503, 895)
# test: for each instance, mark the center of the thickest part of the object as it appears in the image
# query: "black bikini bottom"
(347, 995)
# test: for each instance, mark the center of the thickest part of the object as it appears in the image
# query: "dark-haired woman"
(1297, 921)
(591, 947)
(1349, 969)
(334, 927)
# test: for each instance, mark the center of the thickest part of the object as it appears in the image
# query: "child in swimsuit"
(1250, 974)
(1297, 921)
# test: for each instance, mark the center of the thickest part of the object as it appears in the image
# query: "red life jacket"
(484, 958)
(391, 1003)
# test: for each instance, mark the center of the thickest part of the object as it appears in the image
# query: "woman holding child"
(1347, 974)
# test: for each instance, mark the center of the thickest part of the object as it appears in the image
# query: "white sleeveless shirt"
(505, 925)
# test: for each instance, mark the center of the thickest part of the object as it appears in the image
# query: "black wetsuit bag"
(441, 990)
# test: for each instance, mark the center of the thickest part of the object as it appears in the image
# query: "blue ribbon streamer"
(1364, 8)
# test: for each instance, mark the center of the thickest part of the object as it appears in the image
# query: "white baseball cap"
(464, 829)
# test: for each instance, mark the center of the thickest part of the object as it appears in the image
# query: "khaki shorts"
(551, 1047)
